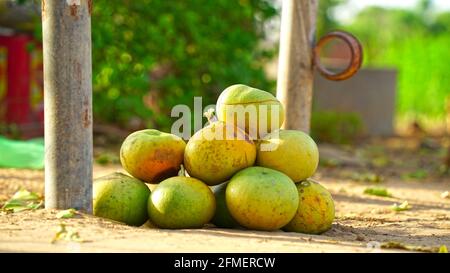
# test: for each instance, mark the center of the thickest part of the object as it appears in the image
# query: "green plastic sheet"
(19, 154)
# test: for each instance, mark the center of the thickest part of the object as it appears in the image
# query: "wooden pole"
(68, 103)
(295, 70)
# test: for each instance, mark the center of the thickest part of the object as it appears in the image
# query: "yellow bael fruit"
(261, 199)
(251, 109)
(121, 198)
(181, 202)
(315, 213)
(218, 151)
(294, 154)
(151, 155)
(222, 218)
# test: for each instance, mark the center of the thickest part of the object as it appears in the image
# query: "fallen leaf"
(66, 235)
(66, 214)
(443, 249)
(59, 233)
(377, 191)
(25, 195)
(366, 177)
(398, 245)
(107, 158)
(419, 174)
(23, 200)
(403, 206)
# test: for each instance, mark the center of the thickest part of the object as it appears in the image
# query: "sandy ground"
(363, 223)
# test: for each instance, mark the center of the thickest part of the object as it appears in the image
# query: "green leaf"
(403, 206)
(63, 234)
(25, 195)
(367, 177)
(66, 214)
(23, 200)
(377, 191)
(418, 174)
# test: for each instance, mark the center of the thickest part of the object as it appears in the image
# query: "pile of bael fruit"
(232, 182)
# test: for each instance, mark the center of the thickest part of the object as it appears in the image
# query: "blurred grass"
(424, 75)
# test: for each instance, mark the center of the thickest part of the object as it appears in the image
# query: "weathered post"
(68, 103)
(295, 71)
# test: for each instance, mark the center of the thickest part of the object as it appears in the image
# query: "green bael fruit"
(218, 151)
(181, 202)
(222, 218)
(261, 199)
(294, 154)
(151, 155)
(315, 212)
(250, 108)
(121, 198)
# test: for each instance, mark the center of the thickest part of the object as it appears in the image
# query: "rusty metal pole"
(295, 70)
(68, 103)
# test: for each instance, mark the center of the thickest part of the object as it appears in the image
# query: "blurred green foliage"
(326, 20)
(151, 55)
(339, 128)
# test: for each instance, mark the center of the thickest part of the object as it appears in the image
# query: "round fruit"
(218, 151)
(151, 155)
(261, 199)
(315, 212)
(222, 218)
(181, 202)
(293, 153)
(121, 198)
(240, 103)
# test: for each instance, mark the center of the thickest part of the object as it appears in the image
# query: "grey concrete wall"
(371, 94)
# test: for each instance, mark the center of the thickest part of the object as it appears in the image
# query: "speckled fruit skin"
(243, 95)
(214, 161)
(181, 202)
(151, 155)
(121, 198)
(315, 213)
(296, 155)
(261, 199)
(222, 218)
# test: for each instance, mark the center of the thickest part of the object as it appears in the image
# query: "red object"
(22, 103)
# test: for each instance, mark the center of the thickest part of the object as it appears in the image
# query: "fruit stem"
(210, 115)
(182, 171)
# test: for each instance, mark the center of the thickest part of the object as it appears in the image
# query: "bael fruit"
(236, 100)
(262, 199)
(222, 218)
(218, 151)
(181, 202)
(151, 155)
(315, 212)
(294, 154)
(121, 198)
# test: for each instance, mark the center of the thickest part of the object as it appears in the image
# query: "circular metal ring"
(356, 55)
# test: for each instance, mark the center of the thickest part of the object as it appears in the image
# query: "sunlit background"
(150, 55)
